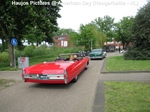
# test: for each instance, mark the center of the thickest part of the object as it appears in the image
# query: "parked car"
(97, 54)
(122, 51)
(60, 71)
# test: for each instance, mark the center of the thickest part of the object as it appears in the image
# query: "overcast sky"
(76, 12)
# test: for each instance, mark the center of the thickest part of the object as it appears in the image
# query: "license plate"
(44, 77)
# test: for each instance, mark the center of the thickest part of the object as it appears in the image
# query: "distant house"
(112, 46)
(61, 41)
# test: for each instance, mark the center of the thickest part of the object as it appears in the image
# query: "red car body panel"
(59, 72)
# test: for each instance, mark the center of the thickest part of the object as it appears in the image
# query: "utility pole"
(91, 45)
(14, 43)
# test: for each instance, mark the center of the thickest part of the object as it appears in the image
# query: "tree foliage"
(73, 38)
(141, 35)
(90, 37)
(86, 38)
(63, 31)
(19, 22)
(106, 26)
(123, 30)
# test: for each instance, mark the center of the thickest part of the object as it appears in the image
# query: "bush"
(71, 50)
(141, 36)
(4, 57)
(136, 54)
(31, 51)
(28, 51)
(40, 51)
(57, 51)
(18, 53)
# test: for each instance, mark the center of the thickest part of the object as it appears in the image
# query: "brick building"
(112, 46)
(61, 41)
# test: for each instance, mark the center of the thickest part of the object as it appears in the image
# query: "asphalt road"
(30, 97)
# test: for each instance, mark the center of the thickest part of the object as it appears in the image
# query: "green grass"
(117, 63)
(5, 66)
(32, 61)
(127, 97)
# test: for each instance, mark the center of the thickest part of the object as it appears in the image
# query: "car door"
(75, 69)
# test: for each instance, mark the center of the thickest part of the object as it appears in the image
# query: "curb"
(99, 102)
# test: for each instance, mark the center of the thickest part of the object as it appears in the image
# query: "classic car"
(60, 71)
(97, 54)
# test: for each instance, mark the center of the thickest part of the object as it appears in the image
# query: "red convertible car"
(61, 71)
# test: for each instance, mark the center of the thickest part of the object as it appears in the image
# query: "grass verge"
(32, 61)
(117, 63)
(6, 83)
(127, 97)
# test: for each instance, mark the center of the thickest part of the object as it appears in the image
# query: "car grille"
(92, 55)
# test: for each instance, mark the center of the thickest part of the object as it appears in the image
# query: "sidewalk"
(125, 77)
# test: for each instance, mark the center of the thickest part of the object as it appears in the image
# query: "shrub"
(28, 51)
(18, 53)
(71, 50)
(136, 54)
(31, 51)
(40, 51)
(4, 57)
(141, 36)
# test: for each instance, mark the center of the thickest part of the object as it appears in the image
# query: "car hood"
(47, 68)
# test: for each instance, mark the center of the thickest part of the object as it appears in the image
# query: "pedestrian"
(119, 49)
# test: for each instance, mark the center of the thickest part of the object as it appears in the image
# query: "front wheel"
(86, 67)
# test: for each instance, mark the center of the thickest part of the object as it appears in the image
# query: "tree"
(86, 38)
(90, 37)
(123, 29)
(100, 39)
(33, 35)
(17, 21)
(63, 31)
(73, 38)
(140, 35)
(105, 25)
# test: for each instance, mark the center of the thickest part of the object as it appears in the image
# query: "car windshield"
(97, 50)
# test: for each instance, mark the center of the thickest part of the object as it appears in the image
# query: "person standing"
(119, 49)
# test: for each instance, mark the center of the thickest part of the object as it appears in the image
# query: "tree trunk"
(11, 53)
(3, 45)
(37, 43)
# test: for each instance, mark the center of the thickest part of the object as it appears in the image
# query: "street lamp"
(91, 45)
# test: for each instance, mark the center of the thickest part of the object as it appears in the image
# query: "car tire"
(86, 67)
(75, 79)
